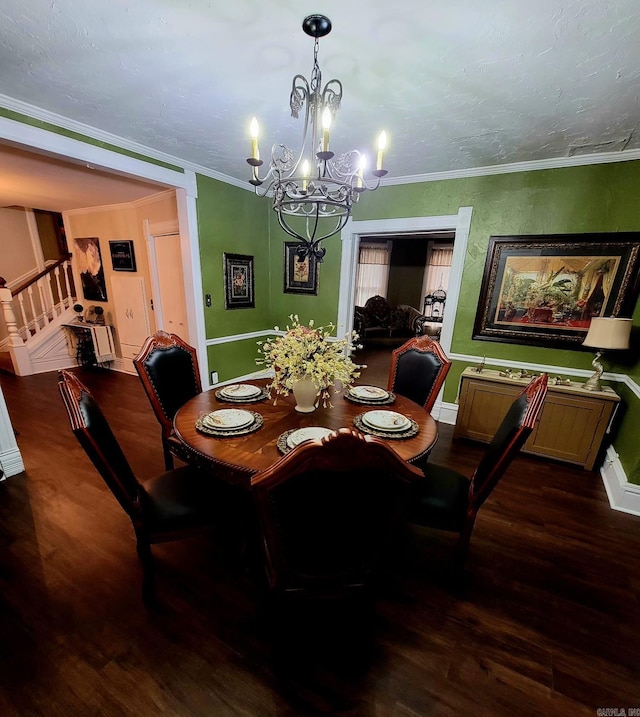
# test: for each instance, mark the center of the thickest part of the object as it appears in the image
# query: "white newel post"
(19, 352)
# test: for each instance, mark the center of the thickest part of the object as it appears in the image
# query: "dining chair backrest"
(327, 509)
(96, 437)
(507, 441)
(449, 500)
(418, 370)
(168, 369)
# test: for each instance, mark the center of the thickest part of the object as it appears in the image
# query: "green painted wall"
(597, 198)
(322, 308)
(234, 221)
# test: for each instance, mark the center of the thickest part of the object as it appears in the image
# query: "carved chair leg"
(148, 570)
(168, 456)
(462, 545)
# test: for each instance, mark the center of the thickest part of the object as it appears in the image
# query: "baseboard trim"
(445, 412)
(12, 463)
(623, 496)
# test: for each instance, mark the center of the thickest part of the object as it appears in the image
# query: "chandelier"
(314, 190)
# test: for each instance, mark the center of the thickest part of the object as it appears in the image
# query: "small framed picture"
(238, 281)
(123, 257)
(300, 277)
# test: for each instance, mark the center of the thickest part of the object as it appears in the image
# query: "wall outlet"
(214, 377)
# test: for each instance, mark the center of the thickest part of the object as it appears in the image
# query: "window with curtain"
(372, 275)
(438, 269)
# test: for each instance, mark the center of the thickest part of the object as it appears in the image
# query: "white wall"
(116, 223)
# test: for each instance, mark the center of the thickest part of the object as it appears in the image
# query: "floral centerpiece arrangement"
(306, 352)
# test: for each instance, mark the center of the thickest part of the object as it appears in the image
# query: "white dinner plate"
(228, 419)
(304, 434)
(240, 390)
(369, 392)
(386, 420)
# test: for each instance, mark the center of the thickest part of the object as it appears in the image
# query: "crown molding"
(151, 199)
(531, 166)
(100, 135)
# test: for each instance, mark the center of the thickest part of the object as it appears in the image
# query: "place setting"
(288, 440)
(227, 422)
(386, 424)
(241, 393)
(369, 395)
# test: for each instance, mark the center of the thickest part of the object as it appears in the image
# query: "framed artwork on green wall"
(300, 276)
(238, 281)
(544, 290)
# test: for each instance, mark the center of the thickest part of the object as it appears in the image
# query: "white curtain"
(372, 276)
(438, 269)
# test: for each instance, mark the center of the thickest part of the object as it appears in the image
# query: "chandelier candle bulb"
(253, 131)
(326, 126)
(382, 143)
(305, 174)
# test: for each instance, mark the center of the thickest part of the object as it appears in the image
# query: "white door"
(173, 307)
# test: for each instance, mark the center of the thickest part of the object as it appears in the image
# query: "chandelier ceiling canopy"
(313, 189)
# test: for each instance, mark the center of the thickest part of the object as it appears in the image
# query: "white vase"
(305, 392)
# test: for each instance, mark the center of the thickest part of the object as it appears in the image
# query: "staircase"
(34, 313)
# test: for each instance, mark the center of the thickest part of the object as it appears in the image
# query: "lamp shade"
(608, 333)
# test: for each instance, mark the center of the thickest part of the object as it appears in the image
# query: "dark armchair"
(380, 322)
(167, 507)
(448, 500)
(168, 369)
(418, 370)
(327, 510)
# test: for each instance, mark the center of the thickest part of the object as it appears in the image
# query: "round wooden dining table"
(247, 454)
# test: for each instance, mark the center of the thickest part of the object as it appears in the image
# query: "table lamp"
(605, 334)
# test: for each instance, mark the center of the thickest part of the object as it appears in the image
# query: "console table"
(572, 425)
(91, 344)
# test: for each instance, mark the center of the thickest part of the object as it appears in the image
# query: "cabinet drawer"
(129, 351)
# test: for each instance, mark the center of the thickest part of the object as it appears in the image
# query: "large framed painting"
(89, 263)
(238, 281)
(544, 290)
(300, 276)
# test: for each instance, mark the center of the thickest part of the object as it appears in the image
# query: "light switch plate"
(214, 377)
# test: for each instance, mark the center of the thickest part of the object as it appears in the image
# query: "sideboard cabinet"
(572, 425)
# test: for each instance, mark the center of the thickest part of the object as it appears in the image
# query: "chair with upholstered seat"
(418, 370)
(327, 511)
(168, 369)
(448, 500)
(167, 507)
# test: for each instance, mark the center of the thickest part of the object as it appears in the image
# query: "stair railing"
(33, 305)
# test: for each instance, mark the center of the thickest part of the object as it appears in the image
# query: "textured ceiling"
(456, 83)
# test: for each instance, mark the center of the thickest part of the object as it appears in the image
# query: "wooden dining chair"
(167, 507)
(448, 500)
(168, 369)
(327, 510)
(418, 370)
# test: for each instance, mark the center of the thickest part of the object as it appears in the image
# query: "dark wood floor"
(546, 622)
